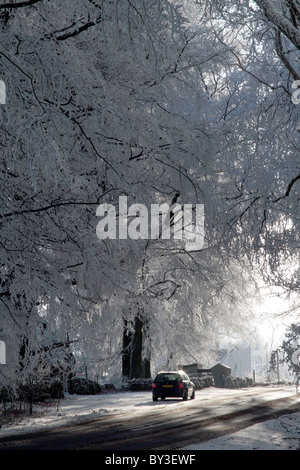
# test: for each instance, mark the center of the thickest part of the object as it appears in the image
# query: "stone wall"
(139, 384)
(203, 380)
(237, 382)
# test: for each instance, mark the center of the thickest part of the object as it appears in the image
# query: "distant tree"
(289, 348)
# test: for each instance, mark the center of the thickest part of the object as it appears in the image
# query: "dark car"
(172, 384)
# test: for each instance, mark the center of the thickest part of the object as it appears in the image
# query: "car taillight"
(180, 385)
(154, 385)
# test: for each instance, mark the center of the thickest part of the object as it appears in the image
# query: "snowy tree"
(288, 353)
(257, 131)
(110, 99)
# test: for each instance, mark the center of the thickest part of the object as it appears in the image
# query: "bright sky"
(272, 320)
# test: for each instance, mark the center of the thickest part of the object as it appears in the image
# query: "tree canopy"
(157, 101)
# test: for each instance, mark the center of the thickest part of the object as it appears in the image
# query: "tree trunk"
(147, 369)
(126, 351)
(136, 363)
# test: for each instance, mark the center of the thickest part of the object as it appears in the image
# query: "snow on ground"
(281, 433)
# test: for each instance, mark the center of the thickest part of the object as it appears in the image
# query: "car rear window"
(167, 377)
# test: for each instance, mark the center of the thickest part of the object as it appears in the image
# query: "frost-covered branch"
(283, 57)
(277, 18)
(295, 10)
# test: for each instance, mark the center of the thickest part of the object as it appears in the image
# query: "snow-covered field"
(277, 434)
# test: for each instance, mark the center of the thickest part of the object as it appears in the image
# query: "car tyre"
(155, 398)
(185, 396)
(193, 395)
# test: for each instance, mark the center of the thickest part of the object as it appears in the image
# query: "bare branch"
(289, 188)
(20, 4)
(79, 30)
(53, 206)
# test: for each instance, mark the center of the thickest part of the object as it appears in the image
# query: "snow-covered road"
(280, 433)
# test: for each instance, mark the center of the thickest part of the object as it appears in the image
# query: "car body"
(173, 383)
